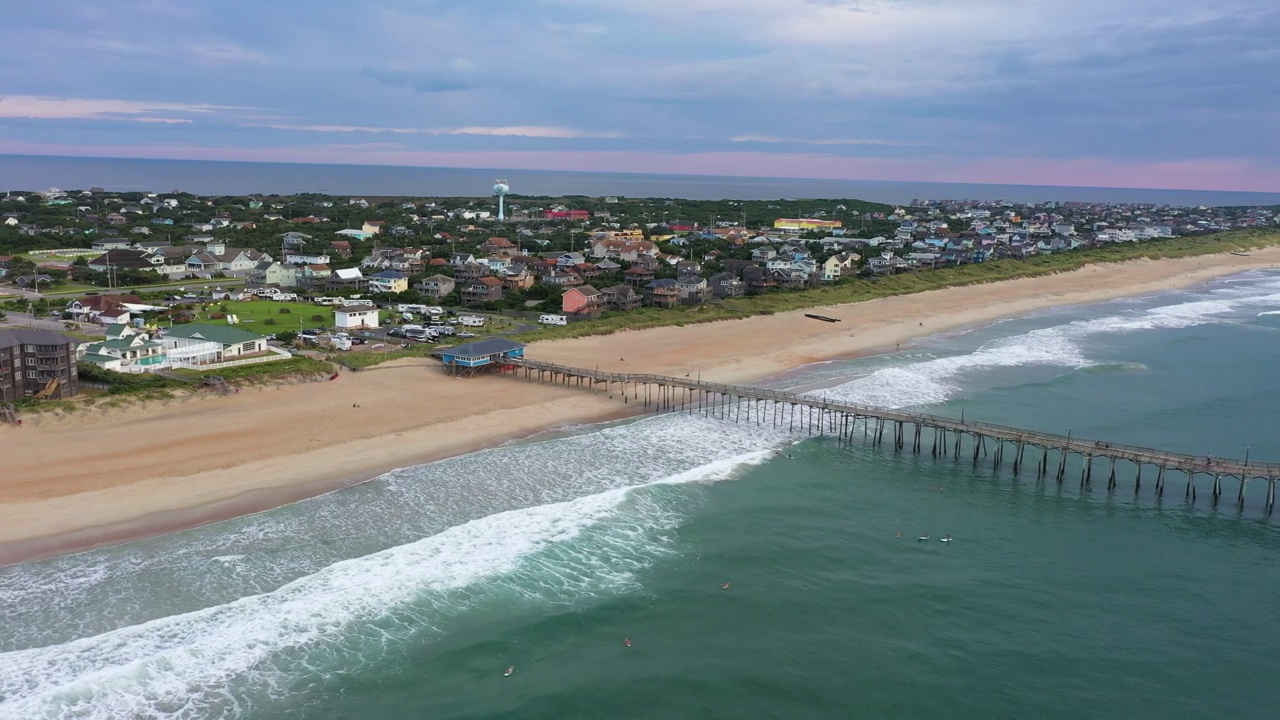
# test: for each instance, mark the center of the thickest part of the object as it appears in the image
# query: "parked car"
(466, 335)
(396, 332)
(358, 341)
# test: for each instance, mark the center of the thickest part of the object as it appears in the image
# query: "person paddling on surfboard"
(724, 586)
(923, 537)
(510, 670)
(626, 641)
(946, 539)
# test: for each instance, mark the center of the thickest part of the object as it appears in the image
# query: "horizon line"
(368, 163)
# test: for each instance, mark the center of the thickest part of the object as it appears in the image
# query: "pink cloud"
(1210, 174)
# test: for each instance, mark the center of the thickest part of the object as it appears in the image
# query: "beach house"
(126, 349)
(436, 286)
(481, 291)
(388, 281)
(583, 301)
(200, 344)
(478, 356)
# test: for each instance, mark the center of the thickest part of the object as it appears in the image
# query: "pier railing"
(699, 391)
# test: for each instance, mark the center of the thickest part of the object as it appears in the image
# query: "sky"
(1110, 93)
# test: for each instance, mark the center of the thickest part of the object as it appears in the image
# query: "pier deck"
(946, 436)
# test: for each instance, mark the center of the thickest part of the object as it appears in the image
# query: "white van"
(471, 321)
(553, 320)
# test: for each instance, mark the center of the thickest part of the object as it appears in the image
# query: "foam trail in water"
(216, 661)
(935, 380)
(54, 601)
(213, 661)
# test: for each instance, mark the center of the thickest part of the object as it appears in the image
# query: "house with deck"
(663, 292)
(620, 297)
(436, 286)
(481, 290)
(472, 358)
(388, 281)
(125, 349)
(198, 344)
(583, 301)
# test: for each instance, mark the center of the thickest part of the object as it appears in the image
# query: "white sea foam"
(55, 601)
(197, 664)
(213, 662)
(935, 380)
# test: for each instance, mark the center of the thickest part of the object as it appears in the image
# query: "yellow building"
(805, 224)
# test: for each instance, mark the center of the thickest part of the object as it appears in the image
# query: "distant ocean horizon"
(205, 177)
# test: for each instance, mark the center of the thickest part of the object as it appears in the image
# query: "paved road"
(66, 294)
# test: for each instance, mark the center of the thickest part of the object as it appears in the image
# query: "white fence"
(277, 354)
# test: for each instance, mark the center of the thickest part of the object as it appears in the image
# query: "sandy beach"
(75, 480)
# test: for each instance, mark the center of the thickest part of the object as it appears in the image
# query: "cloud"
(528, 131)
(1142, 83)
(457, 76)
(53, 108)
(821, 141)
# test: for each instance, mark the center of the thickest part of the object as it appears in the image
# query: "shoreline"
(138, 472)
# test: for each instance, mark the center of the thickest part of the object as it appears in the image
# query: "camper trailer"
(471, 321)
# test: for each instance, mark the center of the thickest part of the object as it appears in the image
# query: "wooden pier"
(918, 432)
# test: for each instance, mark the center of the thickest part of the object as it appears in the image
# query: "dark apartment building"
(37, 363)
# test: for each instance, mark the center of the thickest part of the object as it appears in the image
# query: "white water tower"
(500, 188)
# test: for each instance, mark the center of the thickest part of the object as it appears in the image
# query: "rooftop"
(484, 348)
(14, 337)
(224, 334)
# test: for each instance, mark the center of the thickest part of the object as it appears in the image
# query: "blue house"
(477, 356)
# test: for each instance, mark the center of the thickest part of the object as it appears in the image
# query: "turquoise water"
(408, 596)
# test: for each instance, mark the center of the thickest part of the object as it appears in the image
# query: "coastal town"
(115, 283)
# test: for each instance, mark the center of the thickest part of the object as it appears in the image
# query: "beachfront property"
(37, 364)
(355, 317)
(197, 344)
(483, 355)
(583, 301)
(126, 349)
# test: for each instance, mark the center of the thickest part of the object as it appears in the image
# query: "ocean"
(34, 173)
(409, 595)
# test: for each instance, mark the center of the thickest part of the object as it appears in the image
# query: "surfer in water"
(946, 539)
(923, 537)
(724, 586)
(626, 641)
(509, 670)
